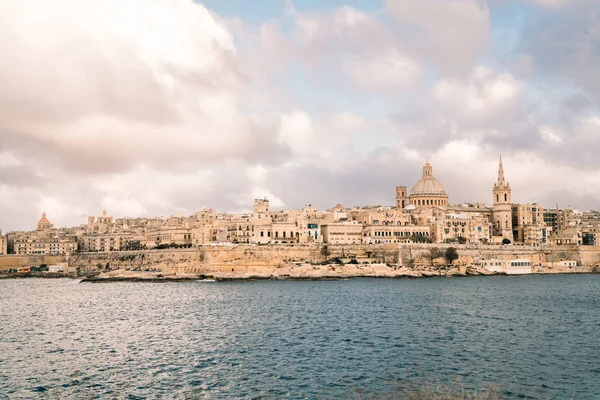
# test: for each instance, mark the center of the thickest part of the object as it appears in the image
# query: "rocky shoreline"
(306, 272)
(296, 273)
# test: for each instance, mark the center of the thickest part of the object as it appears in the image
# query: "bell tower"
(401, 198)
(502, 208)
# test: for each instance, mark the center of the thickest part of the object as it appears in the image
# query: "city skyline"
(395, 203)
(213, 104)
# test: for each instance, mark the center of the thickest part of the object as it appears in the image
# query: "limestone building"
(502, 208)
(343, 232)
(44, 240)
(3, 244)
(428, 191)
(401, 197)
(456, 226)
(528, 224)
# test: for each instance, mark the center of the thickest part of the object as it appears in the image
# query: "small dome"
(44, 219)
(43, 223)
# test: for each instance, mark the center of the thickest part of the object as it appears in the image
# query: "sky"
(161, 107)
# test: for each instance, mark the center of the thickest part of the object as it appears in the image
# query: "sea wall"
(8, 262)
(253, 258)
(248, 258)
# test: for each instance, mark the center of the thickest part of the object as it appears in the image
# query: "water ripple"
(534, 337)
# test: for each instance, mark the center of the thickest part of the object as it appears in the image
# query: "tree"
(451, 254)
(461, 240)
(420, 239)
(432, 254)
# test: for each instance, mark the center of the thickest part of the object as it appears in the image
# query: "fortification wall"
(164, 260)
(248, 258)
(8, 262)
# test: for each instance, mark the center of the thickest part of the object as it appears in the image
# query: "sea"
(522, 337)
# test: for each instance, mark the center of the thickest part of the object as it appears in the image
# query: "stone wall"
(240, 258)
(249, 258)
(8, 262)
(164, 260)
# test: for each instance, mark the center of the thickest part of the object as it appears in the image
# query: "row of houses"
(467, 223)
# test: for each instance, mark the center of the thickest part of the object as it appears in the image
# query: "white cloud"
(152, 107)
(297, 133)
(483, 95)
(553, 3)
(89, 76)
(450, 33)
(389, 71)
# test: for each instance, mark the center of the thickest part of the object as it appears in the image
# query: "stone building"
(528, 224)
(44, 240)
(502, 208)
(167, 236)
(3, 244)
(52, 245)
(384, 233)
(401, 197)
(102, 224)
(101, 242)
(461, 226)
(346, 232)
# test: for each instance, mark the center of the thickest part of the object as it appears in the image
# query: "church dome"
(428, 186)
(43, 223)
(428, 191)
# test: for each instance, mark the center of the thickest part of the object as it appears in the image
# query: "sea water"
(529, 336)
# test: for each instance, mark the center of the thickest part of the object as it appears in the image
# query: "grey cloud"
(364, 180)
(451, 34)
(565, 44)
(20, 177)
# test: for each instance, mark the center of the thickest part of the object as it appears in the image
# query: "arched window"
(505, 197)
(497, 197)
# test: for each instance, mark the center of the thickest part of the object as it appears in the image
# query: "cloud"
(564, 46)
(153, 107)
(386, 72)
(90, 81)
(553, 3)
(98, 91)
(450, 33)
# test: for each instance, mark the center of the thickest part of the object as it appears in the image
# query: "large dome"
(428, 191)
(428, 186)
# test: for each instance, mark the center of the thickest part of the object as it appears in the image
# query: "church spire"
(501, 173)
